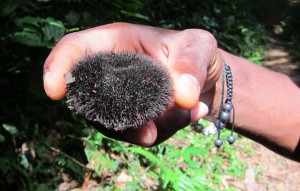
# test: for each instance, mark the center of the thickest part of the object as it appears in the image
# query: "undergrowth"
(188, 161)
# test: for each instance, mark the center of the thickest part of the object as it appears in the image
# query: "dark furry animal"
(119, 90)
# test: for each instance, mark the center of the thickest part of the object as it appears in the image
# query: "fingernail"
(149, 134)
(199, 112)
(190, 81)
(148, 138)
(47, 82)
(187, 91)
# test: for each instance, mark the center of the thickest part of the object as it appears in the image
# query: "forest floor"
(266, 169)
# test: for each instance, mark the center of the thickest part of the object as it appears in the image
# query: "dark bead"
(227, 101)
(227, 107)
(229, 97)
(225, 116)
(231, 139)
(218, 143)
(198, 127)
(220, 125)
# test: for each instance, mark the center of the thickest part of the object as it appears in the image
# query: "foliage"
(177, 164)
(291, 26)
(41, 139)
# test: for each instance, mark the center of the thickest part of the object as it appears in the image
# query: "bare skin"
(267, 103)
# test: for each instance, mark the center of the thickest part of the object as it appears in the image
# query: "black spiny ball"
(119, 90)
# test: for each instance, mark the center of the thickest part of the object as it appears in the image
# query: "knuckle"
(69, 38)
(122, 25)
(200, 36)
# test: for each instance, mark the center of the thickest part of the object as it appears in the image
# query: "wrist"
(215, 69)
(213, 86)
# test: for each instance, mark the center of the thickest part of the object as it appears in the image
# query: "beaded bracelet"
(224, 113)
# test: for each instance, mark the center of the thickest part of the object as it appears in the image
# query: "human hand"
(191, 56)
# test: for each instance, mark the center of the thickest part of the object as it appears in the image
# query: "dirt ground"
(268, 171)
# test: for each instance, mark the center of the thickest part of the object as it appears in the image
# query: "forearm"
(267, 106)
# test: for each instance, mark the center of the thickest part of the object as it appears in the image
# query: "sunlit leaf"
(30, 37)
(55, 23)
(30, 20)
(99, 161)
(24, 161)
(11, 129)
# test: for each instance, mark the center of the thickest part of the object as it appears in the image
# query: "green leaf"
(168, 173)
(24, 161)
(99, 161)
(2, 138)
(255, 58)
(187, 155)
(11, 129)
(30, 20)
(53, 32)
(58, 24)
(30, 37)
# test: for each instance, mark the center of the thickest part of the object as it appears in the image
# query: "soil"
(268, 170)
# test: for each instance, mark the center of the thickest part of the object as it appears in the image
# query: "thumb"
(186, 91)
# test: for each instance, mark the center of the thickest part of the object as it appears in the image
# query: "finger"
(170, 122)
(199, 112)
(190, 54)
(59, 62)
(143, 136)
(153, 133)
(106, 38)
(186, 91)
(73, 47)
